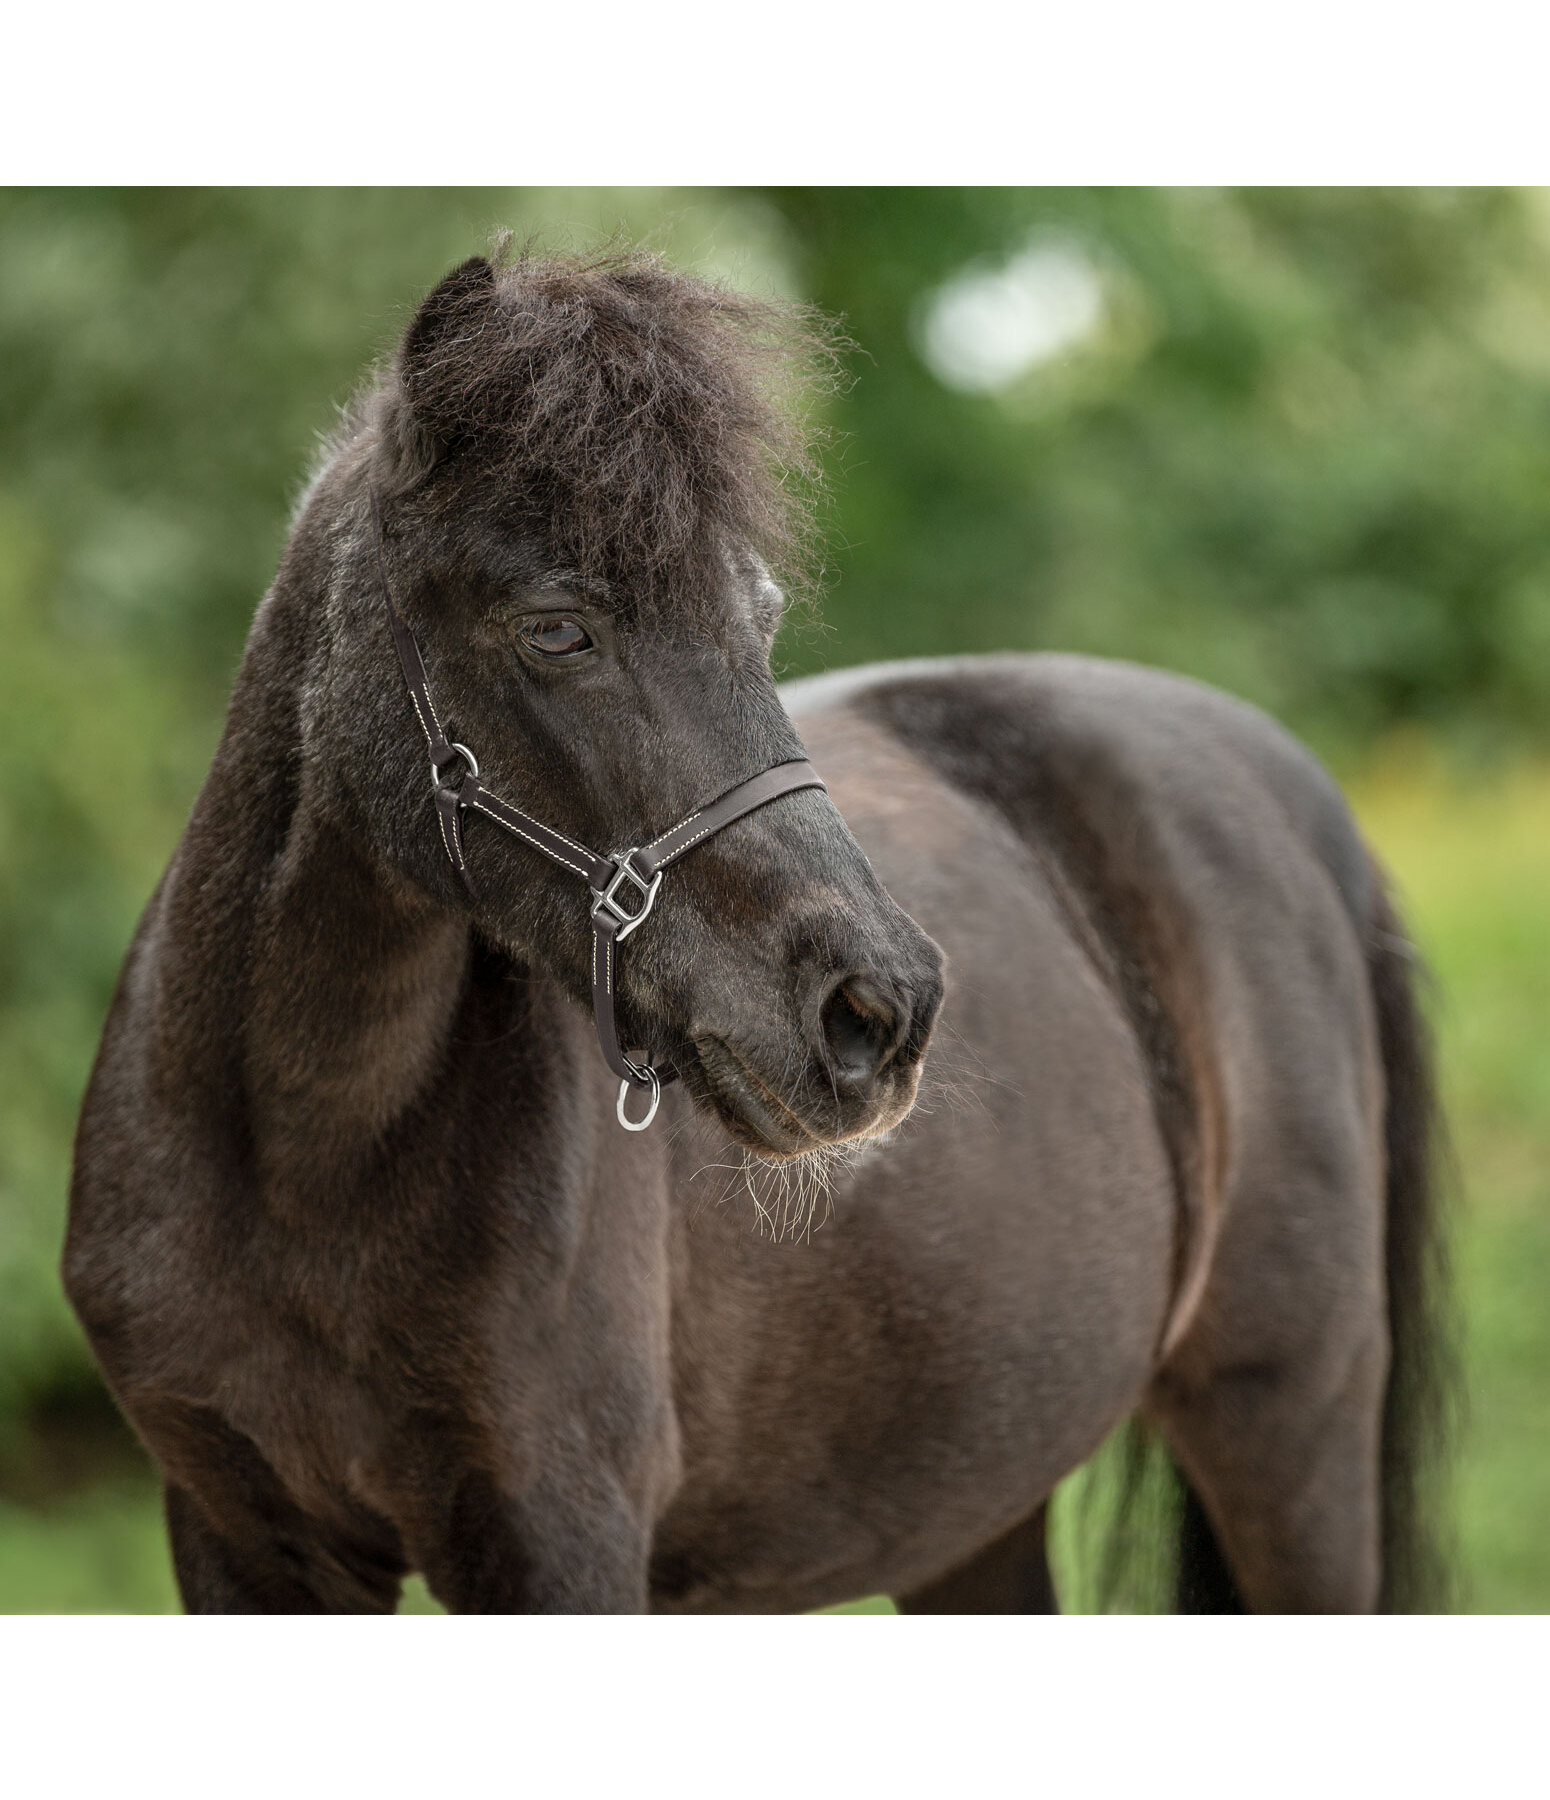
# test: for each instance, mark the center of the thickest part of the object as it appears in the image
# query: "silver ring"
(651, 1111)
(467, 756)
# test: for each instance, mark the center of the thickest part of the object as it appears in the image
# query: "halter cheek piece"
(624, 886)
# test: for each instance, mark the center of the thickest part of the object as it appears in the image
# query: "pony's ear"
(425, 422)
(449, 306)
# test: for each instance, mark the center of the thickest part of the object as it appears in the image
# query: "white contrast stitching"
(432, 705)
(694, 840)
(689, 843)
(517, 830)
(672, 828)
(580, 849)
(421, 716)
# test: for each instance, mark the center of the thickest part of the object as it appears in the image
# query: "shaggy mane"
(648, 419)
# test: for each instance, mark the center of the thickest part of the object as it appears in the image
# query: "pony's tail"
(1423, 1385)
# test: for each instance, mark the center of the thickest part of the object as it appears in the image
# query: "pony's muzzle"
(864, 1034)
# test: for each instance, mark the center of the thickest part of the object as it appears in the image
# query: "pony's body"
(1113, 1150)
(377, 1276)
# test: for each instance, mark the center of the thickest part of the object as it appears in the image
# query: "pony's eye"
(555, 637)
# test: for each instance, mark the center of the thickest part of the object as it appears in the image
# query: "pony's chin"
(755, 1115)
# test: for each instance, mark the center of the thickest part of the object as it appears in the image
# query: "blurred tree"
(1304, 451)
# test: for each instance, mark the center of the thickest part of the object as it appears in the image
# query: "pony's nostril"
(860, 1028)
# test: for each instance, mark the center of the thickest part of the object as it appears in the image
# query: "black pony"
(356, 1234)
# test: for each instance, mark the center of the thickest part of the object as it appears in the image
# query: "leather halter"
(624, 886)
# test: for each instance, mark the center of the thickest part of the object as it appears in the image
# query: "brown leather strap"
(746, 797)
(605, 937)
(624, 887)
(410, 660)
(593, 869)
(450, 802)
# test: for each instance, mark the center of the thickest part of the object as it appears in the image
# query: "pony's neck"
(355, 982)
(305, 991)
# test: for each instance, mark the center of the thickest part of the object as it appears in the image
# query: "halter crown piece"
(624, 886)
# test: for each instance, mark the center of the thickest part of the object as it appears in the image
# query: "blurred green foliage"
(1299, 445)
(1307, 456)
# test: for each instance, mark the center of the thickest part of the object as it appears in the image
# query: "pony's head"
(585, 472)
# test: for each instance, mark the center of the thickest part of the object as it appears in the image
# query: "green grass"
(1472, 867)
(104, 1551)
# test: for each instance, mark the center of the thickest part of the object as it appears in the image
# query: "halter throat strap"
(624, 886)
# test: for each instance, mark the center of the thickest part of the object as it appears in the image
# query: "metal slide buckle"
(607, 902)
(624, 1090)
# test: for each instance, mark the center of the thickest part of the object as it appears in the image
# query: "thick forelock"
(647, 419)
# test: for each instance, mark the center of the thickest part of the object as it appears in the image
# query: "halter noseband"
(624, 886)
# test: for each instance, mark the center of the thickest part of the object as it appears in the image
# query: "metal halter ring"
(467, 756)
(651, 1111)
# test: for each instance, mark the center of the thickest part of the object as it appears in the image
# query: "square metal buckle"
(607, 898)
